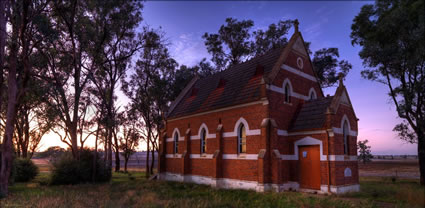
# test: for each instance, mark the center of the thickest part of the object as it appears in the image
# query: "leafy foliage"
(274, 37)
(68, 170)
(392, 37)
(364, 151)
(328, 68)
(236, 42)
(231, 45)
(148, 87)
(405, 133)
(53, 152)
(24, 170)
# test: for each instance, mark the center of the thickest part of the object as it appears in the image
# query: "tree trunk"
(117, 154)
(74, 141)
(109, 148)
(7, 159)
(421, 156)
(26, 134)
(153, 158)
(105, 150)
(147, 154)
(95, 155)
(125, 164)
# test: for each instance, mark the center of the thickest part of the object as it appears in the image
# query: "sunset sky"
(324, 24)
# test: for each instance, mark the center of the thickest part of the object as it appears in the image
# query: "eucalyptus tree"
(22, 39)
(34, 119)
(3, 34)
(392, 39)
(148, 87)
(130, 135)
(65, 64)
(236, 42)
(115, 22)
(232, 44)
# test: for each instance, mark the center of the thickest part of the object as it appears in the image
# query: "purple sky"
(324, 24)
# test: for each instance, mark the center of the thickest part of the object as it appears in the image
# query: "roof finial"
(296, 23)
(341, 79)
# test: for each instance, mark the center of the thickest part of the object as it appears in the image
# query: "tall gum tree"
(391, 35)
(115, 22)
(148, 87)
(20, 15)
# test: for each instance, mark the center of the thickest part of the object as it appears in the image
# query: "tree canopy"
(236, 42)
(391, 35)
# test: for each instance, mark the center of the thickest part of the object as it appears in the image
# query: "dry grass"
(133, 190)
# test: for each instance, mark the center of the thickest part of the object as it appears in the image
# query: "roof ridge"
(246, 61)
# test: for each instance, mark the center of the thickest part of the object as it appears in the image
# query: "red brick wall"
(253, 114)
(240, 169)
(337, 173)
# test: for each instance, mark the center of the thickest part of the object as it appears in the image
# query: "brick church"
(264, 124)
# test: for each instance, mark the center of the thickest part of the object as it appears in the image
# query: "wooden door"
(309, 166)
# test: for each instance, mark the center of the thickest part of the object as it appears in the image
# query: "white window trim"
(340, 130)
(312, 91)
(175, 143)
(203, 126)
(249, 132)
(241, 156)
(176, 130)
(281, 90)
(287, 82)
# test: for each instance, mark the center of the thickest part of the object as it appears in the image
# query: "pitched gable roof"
(242, 84)
(312, 114)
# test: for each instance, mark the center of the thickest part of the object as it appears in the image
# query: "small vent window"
(176, 143)
(300, 63)
(346, 138)
(203, 141)
(287, 94)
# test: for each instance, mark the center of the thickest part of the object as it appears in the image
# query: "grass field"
(133, 190)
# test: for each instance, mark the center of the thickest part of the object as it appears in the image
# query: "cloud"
(188, 49)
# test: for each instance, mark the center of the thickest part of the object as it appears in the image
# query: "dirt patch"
(389, 168)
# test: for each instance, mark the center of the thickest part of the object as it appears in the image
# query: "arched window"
(345, 134)
(203, 141)
(312, 95)
(241, 139)
(176, 143)
(287, 94)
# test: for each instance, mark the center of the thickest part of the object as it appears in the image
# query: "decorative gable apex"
(299, 47)
(341, 97)
(344, 98)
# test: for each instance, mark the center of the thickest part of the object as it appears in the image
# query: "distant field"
(135, 191)
(408, 168)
